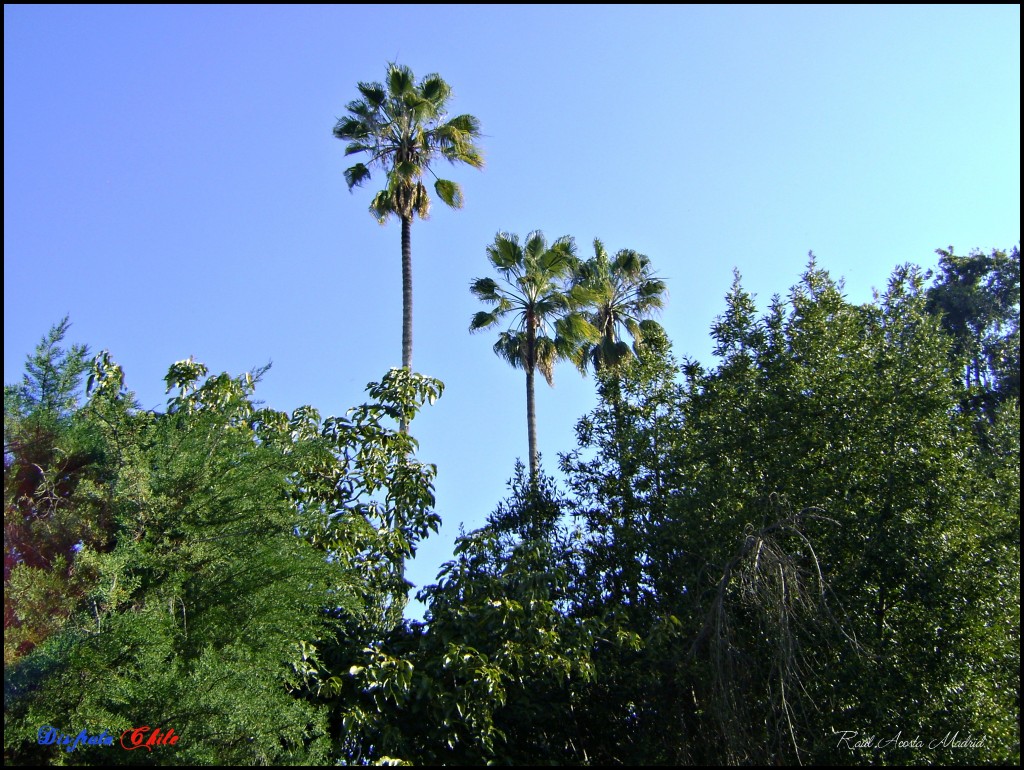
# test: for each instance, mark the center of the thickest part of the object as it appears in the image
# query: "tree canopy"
(804, 552)
(202, 562)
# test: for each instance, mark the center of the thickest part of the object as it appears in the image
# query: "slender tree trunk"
(407, 292)
(531, 427)
(531, 409)
(406, 302)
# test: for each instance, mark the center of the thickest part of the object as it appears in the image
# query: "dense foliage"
(199, 564)
(809, 539)
(807, 552)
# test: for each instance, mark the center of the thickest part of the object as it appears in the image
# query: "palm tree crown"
(621, 294)
(533, 297)
(403, 128)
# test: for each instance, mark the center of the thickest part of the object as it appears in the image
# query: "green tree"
(195, 618)
(480, 680)
(253, 556)
(978, 299)
(403, 128)
(533, 296)
(812, 541)
(51, 457)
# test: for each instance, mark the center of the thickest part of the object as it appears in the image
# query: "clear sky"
(172, 183)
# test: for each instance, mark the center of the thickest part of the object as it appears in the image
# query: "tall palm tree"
(621, 294)
(403, 127)
(533, 297)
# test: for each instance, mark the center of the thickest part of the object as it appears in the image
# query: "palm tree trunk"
(407, 292)
(531, 426)
(406, 303)
(531, 409)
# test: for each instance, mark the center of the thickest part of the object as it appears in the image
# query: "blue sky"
(171, 182)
